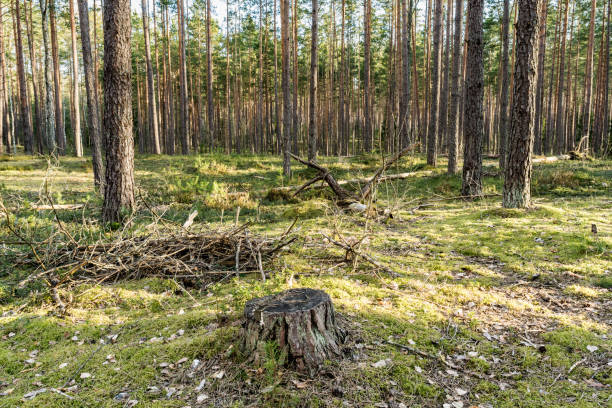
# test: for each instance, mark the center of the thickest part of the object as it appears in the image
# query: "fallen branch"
(345, 197)
(352, 249)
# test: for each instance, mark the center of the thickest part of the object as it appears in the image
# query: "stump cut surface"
(301, 321)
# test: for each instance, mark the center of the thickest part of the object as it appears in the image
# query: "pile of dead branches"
(189, 257)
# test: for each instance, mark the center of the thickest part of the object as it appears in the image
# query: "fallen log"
(551, 159)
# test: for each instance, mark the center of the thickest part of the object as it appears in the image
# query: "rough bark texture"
(434, 109)
(183, 109)
(517, 181)
(117, 123)
(444, 78)
(35, 79)
(473, 120)
(367, 109)
(537, 143)
(560, 133)
(209, 81)
(76, 116)
(588, 76)
(453, 117)
(505, 85)
(93, 117)
(406, 27)
(301, 321)
(49, 104)
(2, 86)
(285, 79)
(60, 131)
(23, 96)
(153, 120)
(314, 79)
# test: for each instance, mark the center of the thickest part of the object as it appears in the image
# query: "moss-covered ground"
(519, 300)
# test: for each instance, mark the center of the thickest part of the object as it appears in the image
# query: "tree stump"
(301, 321)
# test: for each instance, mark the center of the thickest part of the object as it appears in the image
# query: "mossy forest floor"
(518, 301)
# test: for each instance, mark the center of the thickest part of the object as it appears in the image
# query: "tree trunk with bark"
(537, 144)
(367, 108)
(117, 123)
(60, 130)
(314, 79)
(209, 81)
(453, 117)
(474, 88)
(183, 108)
(76, 115)
(560, 134)
(152, 103)
(505, 85)
(434, 109)
(301, 321)
(517, 180)
(24, 104)
(588, 78)
(287, 115)
(92, 99)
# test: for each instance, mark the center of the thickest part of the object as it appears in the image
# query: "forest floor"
(504, 308)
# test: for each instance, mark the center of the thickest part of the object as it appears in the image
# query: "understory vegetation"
(504, 307)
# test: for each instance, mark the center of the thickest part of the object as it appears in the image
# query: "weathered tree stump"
(301, 321)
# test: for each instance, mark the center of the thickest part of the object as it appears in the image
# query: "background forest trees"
(207, 76)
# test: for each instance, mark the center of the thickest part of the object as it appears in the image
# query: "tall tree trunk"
(548, 135)
(277, 132)
(117, 123)
(170, 128)
(406, 28)
(76, 115)
(92, 100)
(473, 121)
(517, 180)
(285, 85)
(537, 144)
(260, 84)
(35, 78)
(209, 81)
(588, 78)
(367, 108)
(294, 50)
(183, 108)
(23, 87)
(453, 117)
(228, 105)
(560, 135)
(152, 103)
(60, 130)
(341, 115)
(444, 68)
(314, 78)
(3, 110)
(432, 134)
(505, 85)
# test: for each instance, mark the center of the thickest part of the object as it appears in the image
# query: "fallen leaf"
(85, 375)
(460, 391)
(381, 363)
(201, 398)
(218, 375)
(299, 384)
(201, 385)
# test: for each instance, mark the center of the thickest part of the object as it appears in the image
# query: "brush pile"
(188, 257)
